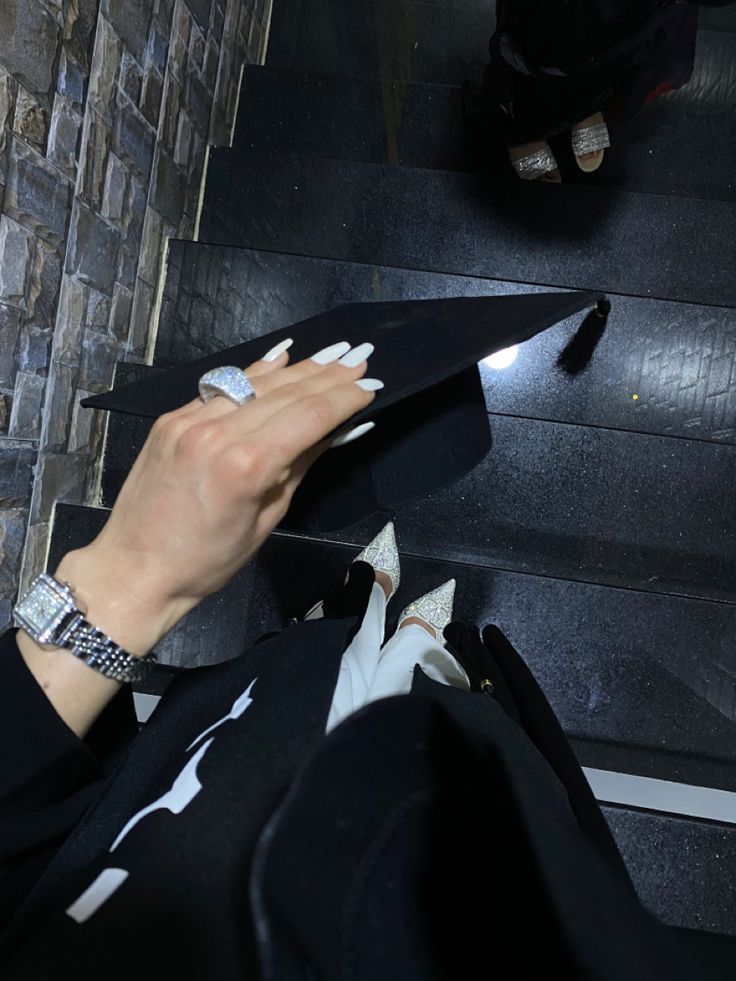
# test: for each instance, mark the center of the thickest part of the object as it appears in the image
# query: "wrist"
(117, 602)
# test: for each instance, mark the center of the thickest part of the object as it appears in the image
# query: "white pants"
(369, 671)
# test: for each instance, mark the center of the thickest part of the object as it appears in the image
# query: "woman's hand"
(209, 485)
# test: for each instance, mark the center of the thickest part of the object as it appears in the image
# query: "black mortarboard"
(431, 419)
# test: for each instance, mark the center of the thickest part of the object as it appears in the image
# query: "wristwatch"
(50, 614)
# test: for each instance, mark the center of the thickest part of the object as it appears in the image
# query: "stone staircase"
(600, 532)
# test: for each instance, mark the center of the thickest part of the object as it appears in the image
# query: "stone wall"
(106, 110)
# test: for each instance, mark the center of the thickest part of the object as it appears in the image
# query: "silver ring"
(229, 381)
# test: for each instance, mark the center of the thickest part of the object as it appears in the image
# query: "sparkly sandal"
(589, 139)
(535, 165)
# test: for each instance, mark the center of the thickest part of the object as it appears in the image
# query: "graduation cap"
(432, 424)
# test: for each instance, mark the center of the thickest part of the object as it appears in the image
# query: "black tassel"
(577, 354)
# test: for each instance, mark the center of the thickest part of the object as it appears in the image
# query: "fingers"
(219, 406)
(299, 427)
(236, 426)
(267, 376)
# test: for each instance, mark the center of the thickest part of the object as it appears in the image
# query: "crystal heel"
(434, 608)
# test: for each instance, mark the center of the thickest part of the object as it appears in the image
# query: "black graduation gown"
(429, 836)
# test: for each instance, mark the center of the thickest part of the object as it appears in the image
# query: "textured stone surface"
(122, 302)
(63, 145)
(130, 18)
(62, 385)
(151, 247)
(36, 195)
(16, 473)
(33, 349)
(29, 39)
(133, 138)
(34, 558)
(105, 67)
(10, 324)
(150, 104)
(140, 321)
(93, 248)
(81, 427)
(116, 184)
(43, 288)
(25, 419)
(167, 188)
(98, 310)
(183, 143)
(31, 119)
(79, 30)
(72, 318)
(99, 355)
(16, 251)
(131, 77)
(173, 92)
(6, 408)
(94, 162)
(12, 533)
(71, 81)
(60, 477)
(198, 101)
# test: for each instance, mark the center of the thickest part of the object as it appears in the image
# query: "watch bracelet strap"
(100, 652)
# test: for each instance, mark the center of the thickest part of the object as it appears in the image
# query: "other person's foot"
(433, 611)
(535, 162)
(590, 137)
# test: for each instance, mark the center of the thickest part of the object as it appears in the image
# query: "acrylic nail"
(352, 434)
(279, 349)
(331, 353)
(370, 384)
(357, 356)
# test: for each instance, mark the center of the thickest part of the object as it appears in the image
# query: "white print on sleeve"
(241, 703)
(106, 883)
(183, 791)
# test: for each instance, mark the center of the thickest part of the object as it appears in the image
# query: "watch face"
(41, 610)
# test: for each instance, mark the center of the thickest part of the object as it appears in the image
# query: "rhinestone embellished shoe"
(434, 608)
(383, 555)
(536, 165)
(593, 138)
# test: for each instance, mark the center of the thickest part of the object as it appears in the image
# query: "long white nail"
(279, 349)
(331, 353)
(357, 356)
(370, 384)
(352, 434)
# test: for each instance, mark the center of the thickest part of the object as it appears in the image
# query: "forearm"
(135, 619)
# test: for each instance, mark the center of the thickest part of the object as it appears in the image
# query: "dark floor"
(600, 532)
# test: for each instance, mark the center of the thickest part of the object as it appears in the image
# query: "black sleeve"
(48, 775)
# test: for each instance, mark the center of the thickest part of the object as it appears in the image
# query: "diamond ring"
(229, 381)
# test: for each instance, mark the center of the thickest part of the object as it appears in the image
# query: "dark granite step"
(360, 119)
(641, 683)
(683, 872)
(719, 18)
(559, 235)
(383, 121)
(426, 42)
(679, 359)
(574, 502)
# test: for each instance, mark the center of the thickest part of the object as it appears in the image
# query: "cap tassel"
(578, 352)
